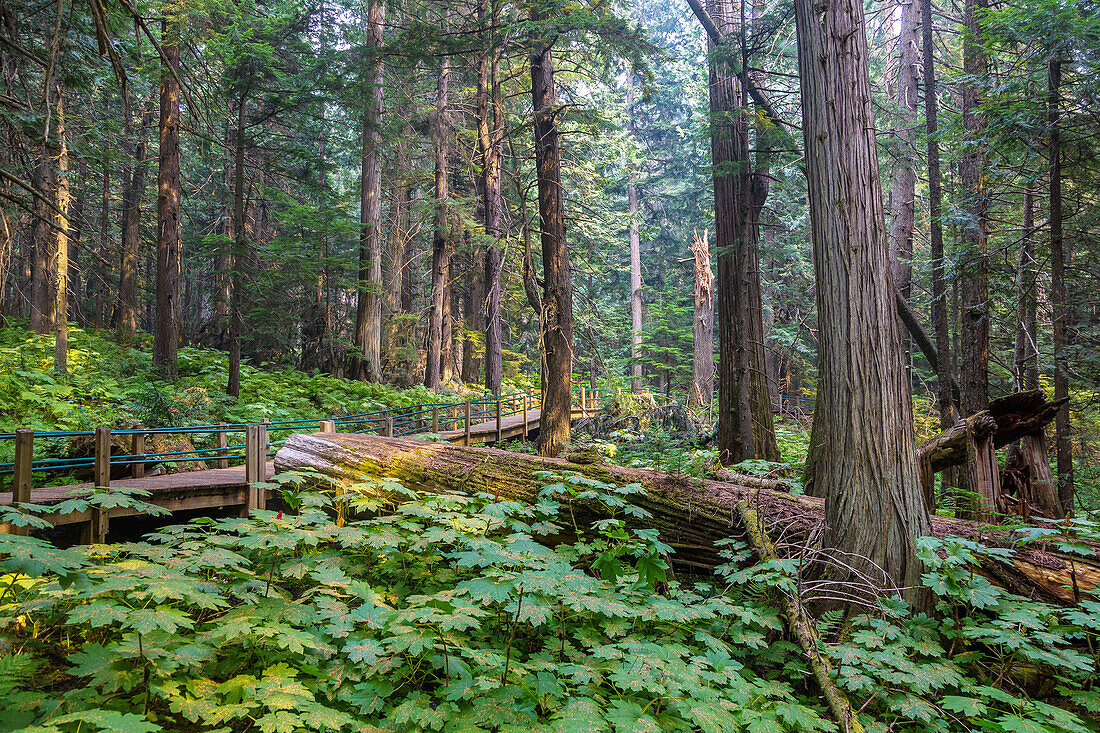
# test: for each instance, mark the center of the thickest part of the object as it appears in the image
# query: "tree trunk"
(634, 234)
(63, 200)
(472, 313)
(1026, 351)
(1059, 307)
(315, 320)
(446, 351)
(166, 335)
(973, 277)
(239, 253)
(44, 301)
(745, 427)
(368, 312)
(690, 515)
(557, 294)
(904, 179)
(874, 509)
(490, 135)
(105, 245)
(77, 237)
(940, 322)
(125, 318)
(441, 245)
(702, 362)
(399, 227)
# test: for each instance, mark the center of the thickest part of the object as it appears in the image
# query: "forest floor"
(112, 382)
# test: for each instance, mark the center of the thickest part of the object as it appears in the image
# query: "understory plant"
(382, 610)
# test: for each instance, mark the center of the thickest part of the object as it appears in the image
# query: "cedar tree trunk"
(863, 421)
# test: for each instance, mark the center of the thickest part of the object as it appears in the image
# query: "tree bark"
(1058, 303)
(125, 317)
(874, 508)
(490, 135)
(1026, 350)
(745, 427)
(904, 178)
(691, 515)
(940, 322)
(63, 200)
(557, 294)
(77, 238)
(368, 312)
(399, 235)
(315, 320)
(105, 245)
(973, 277)
(44, 301)
(634, 236)
(239, 253)
(224, 258)
(702, 362)
(168, 315)
(441, 245)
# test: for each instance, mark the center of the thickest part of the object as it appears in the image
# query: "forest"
(549, 365)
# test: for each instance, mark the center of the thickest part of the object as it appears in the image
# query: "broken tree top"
(1006, 419)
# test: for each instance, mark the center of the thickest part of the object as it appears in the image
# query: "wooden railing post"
(223, 448)
(255, 465)
(525, 396)
(102, 471)
(435, 418)
(96, 531)
(328, 426)
(584, 406)
(138, 451)
(387, 428)
(466, 423)
(21, 480)
(500, 430)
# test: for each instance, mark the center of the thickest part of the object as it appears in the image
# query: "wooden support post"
(466, 423)
(500, 430)
(387, 428)
(21, 480)
(255, 465)
(102, 471)
(328, 426)
(525, 415)
(584, 402)
(138, 451)
(435, 419)
(223, 448)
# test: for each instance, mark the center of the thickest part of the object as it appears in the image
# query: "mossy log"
(691, 514)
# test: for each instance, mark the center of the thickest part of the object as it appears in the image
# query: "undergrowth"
(458, 613)
(114, 384)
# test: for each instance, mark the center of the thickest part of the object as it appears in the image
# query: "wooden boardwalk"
(221, 488)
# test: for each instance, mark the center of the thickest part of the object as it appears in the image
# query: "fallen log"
(691, 514)
(802, 627)
(753, 482)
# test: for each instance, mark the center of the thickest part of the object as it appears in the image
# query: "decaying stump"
(972, 442)
(691, 514)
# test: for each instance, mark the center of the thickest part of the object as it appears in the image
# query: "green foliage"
(444, 613)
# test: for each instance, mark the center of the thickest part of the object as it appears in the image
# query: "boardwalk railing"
(222, 446)
(130, 453)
